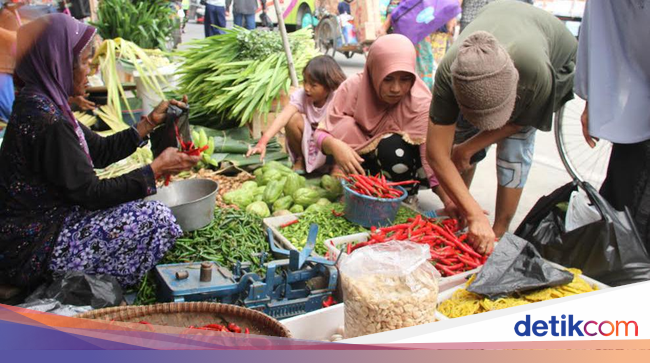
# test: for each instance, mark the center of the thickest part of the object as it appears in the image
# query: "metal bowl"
(192, 201)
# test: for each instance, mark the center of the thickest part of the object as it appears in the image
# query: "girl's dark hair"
(325, 71)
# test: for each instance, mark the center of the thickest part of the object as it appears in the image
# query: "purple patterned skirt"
(124, 241)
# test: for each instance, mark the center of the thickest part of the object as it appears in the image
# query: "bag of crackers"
(388, 286)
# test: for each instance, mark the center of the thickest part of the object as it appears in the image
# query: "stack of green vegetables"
(230, 148)
(147, 23)
(107, 57)
(232, 236)
(141, 157)
(240, 72)
(331, 224)
(279, 190)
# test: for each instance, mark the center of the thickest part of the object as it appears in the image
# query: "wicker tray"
(186, 314)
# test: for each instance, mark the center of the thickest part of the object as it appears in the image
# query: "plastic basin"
(370, 211)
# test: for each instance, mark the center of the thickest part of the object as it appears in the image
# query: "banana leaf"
(241, 161)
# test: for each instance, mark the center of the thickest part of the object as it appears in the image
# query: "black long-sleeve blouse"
(44, 173)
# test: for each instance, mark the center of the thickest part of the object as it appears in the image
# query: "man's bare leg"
(507, 203)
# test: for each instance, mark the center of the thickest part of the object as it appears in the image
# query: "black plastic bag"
(610, 250)
(266, 21)
(164, 136)
(79, 289)
(515, 266)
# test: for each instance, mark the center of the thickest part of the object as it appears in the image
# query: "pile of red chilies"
(230, 328)
(187, 148)
(375, 186)
(450, 254)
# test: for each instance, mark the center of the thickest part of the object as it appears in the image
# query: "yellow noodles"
(464, 303)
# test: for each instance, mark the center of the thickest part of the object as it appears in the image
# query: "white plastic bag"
(388, 286)
(580, 211)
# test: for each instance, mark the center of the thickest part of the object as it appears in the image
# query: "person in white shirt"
(612, 75)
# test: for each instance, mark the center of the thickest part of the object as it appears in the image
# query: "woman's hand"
(171, 161)
(461, 157)
(480, 234)
(158, 114)
(82, 102)
(346, 158)
(584, 119)
(260, 148)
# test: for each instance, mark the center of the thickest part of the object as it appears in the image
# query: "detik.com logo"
(571, 327)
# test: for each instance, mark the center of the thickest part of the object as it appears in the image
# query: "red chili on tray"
(450, 254)
(376, 186)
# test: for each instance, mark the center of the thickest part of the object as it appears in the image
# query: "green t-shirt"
(543, 51)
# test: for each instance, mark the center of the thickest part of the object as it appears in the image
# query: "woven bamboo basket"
(186, 314)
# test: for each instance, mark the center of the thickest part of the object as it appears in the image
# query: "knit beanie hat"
(484, 81)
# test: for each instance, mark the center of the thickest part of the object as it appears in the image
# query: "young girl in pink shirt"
(307, 108)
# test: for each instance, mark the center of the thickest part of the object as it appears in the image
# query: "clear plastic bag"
(388, 286)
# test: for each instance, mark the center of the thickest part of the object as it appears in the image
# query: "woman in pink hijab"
(378, 119)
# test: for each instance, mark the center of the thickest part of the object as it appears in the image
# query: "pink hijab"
(360, 118)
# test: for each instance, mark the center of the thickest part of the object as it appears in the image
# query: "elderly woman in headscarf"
(56, 214)
(378, 119)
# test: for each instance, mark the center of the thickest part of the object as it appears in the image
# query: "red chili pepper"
(445, 261)
(406, 182)
(456, 267)
(148, 325)
(443, 232)
(234, 328)
(357, 246)
(349, 248)
(445, 270)
(215, 327)
(195, 152)
(289, 223)
(328, 302)
(394, 228)
(416, 221)
(367, 185)
(246, 331)
(337, 214)
(468, 261)
(421, 231)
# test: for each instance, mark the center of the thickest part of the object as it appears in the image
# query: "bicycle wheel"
(581, 162)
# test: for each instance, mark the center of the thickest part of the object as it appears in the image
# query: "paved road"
(546, 175)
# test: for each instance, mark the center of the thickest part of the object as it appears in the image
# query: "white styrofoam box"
(318, 325)
(447, 294)
(274, 224)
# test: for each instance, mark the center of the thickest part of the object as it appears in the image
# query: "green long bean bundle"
(240, 72)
